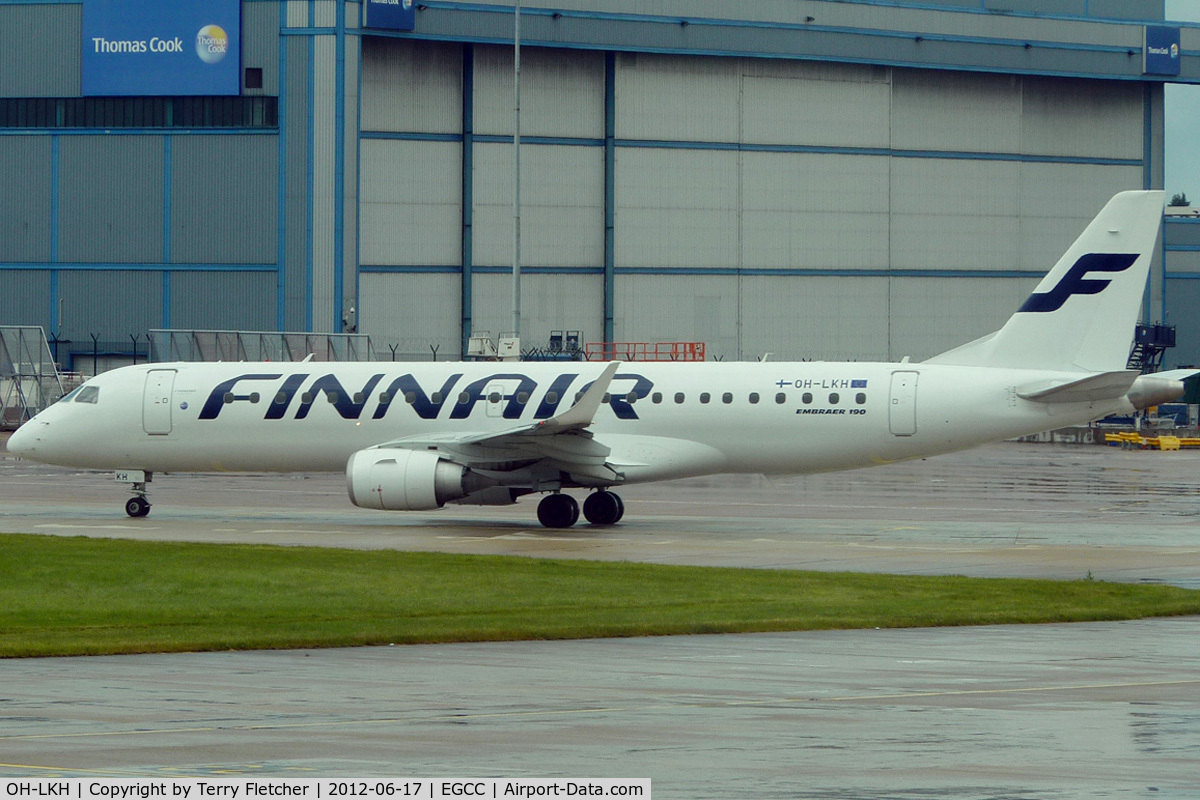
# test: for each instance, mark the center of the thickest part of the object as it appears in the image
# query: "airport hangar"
(860, 179)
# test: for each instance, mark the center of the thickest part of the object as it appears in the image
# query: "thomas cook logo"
(212, 43)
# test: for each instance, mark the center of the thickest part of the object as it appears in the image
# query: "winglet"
(580, 415)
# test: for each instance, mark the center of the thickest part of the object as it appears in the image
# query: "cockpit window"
(88, 394)
(70, 396)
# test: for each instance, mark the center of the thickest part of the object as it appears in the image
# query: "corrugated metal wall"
(809, 209)
(223, 199)
(562, 208)
(410, 314)
(39, 49)
(112, 303)
(241, 301)
(260, 44)
(411, 202)
(729, 170)
(110, 199)
(25, 297)
(25, 214)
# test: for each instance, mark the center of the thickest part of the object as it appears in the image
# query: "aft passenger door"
(902, 405)
(156, 401)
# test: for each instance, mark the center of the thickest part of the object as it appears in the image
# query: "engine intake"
(396, 479)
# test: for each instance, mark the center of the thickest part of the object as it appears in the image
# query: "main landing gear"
(562, 511)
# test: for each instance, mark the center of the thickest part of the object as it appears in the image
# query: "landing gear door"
(156, 401)
(902, 405)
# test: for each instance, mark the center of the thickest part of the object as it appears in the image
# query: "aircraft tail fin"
(1081, 317)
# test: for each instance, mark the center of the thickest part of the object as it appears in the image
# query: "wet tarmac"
(1075, 711)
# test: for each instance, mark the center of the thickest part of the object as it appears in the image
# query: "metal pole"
(516, 292)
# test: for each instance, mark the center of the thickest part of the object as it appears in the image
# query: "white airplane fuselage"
(736, 417)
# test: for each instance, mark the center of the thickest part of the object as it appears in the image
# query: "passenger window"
(860, 398)
(705, 397)
(552, 398)
(358, 398)
(753, 398)
(522, 397)
(228, 398)
(727, 398)
(834, 398)
(255, 397)
(781, 398)
(679, 397)
(435, 398)
(806, 398)
(656, 397)
(631, 398)
(332, 397)
(607, 398)
(494, 397)
(305, 398)
(88, 394)
(464, 398)
(384, 398)
(280, 398)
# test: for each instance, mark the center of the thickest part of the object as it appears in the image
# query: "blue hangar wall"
(816, 179)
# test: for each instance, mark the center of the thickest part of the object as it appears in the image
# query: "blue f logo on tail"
(1074, 281)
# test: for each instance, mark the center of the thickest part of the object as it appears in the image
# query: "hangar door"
(902, 408)
(156, 401)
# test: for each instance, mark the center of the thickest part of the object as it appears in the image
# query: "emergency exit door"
(156, 401)
(902, 406)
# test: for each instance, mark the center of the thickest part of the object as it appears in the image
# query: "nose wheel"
(137, 506)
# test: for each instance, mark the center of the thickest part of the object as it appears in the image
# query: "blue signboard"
(1160, 54)
(161, 47)
(392, 15)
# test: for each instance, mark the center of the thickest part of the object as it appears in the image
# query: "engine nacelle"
(395, 479)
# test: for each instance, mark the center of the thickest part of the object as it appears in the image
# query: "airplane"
(416, 436)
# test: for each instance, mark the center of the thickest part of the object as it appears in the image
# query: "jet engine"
(395, 479)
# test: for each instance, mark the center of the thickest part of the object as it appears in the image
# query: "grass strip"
(77, 596)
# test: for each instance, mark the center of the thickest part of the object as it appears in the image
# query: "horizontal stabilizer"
(1103, 386)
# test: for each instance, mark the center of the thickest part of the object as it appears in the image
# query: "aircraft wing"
(562, 441)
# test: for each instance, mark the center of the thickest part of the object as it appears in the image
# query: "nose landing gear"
(137, 506)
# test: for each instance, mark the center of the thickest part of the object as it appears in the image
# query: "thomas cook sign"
(1160, 51)
(161, 47)
(393, 15)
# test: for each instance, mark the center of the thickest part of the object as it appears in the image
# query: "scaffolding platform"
(29, 377)
(198, 345)
(644, 351)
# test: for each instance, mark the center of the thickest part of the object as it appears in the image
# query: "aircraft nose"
(23, 440)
